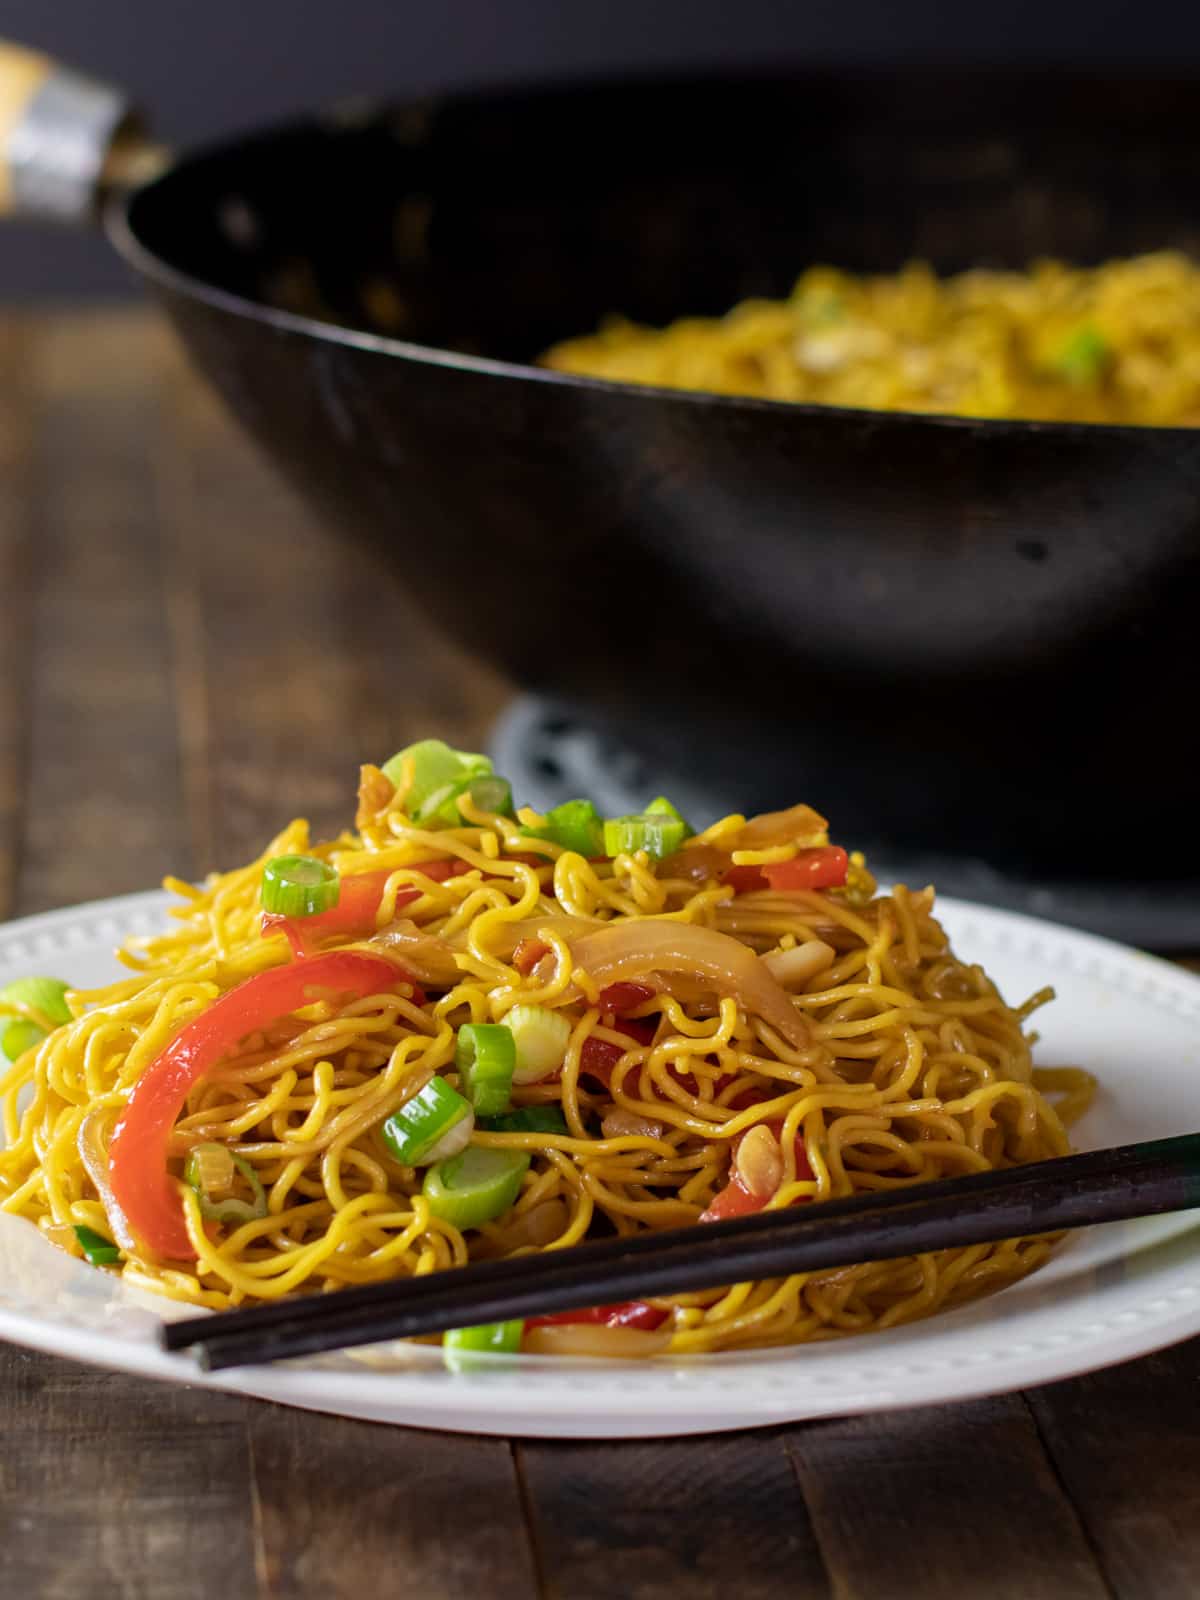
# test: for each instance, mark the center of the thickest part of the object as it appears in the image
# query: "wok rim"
(123, 236)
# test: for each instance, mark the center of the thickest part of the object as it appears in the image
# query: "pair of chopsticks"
(1045, 1197)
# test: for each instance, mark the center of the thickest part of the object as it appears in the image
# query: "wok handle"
(65, 140)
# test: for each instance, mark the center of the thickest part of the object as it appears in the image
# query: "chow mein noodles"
(464, 1031)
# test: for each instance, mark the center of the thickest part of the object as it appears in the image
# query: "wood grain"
(18, 419)
(102, 815)
(1126, 1443)
(705, 1518)
(942, 1502)
(113, 1486)
(358, 1509)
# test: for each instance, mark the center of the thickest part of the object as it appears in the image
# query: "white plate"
(1110, 1293)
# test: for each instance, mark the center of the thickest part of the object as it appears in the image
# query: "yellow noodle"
(915, 1069)
(1115, 343)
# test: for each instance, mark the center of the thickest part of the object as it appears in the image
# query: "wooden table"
(185, 662)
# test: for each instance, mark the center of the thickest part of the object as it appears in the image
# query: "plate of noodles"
(462, 1030)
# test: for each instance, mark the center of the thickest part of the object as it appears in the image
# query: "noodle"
(1116, 343)
(895, 1064)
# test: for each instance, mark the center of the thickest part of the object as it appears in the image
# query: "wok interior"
(498, 223)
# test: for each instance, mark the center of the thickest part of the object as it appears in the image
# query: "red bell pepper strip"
(358, 903)
(528, 953)
(598, 1057)
(137, 1155)
(824, 868)
(618, 998)
(735, 1199)
(629, 1314)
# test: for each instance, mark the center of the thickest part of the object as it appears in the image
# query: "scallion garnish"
(575, 825)
(1084, 356)
(541, 1037)
(101, 1252)
(212, 1170)
(434, 772)
(299, 886)
(476, 1186)
(485, 1056)
(418, 1132)
(492, 1338)
(655, 832)
(486, 794)
(662, 807)
(47, 996)
(526, 1119)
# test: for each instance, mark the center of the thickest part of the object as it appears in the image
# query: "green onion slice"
(654, 832)
(575, 825)
(212, 1171)
(299, 886)
(46, 996)
(20, 1036)
(526, 1119)
(1084, 356)
(101, 1252)
(541, 1037)
(487, 794)
(436, 771)
(485, 1056)
(662, 807)
(476, 1186)
(414, 1132)
(489, 1338)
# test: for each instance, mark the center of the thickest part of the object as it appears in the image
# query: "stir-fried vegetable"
(137, 1158)
(47, 997)
(541, 1037)
(101, 1252)
(298, 886)
(630, 950)
(356, 911)
(494, 1338)
(823, 868)
(434, 1124)
(430, 775)
(627, 1314)
(575, 825)
(486, 1056)
(656, 833)
(526, 1119)
(212, 1171)
(476, 1186)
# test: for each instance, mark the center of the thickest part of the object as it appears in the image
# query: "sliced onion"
(802, 962)
(593, 1339)
(92, 1143)
(620, 1124)
(631, 950)
(696, 863)
(425, 955)
(797, 825)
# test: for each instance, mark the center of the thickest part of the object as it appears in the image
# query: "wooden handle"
(58, 130)
(22, 74)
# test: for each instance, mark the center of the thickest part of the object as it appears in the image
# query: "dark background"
(202, 69)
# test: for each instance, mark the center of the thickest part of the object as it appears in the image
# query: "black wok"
(977, 636)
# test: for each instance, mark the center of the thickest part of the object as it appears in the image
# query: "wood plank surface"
(355, 1509)
(1126, 1443)
(186, 661)
(707, 1518)
(943, 1501)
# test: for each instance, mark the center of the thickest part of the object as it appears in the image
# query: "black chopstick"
(1044, 1197)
